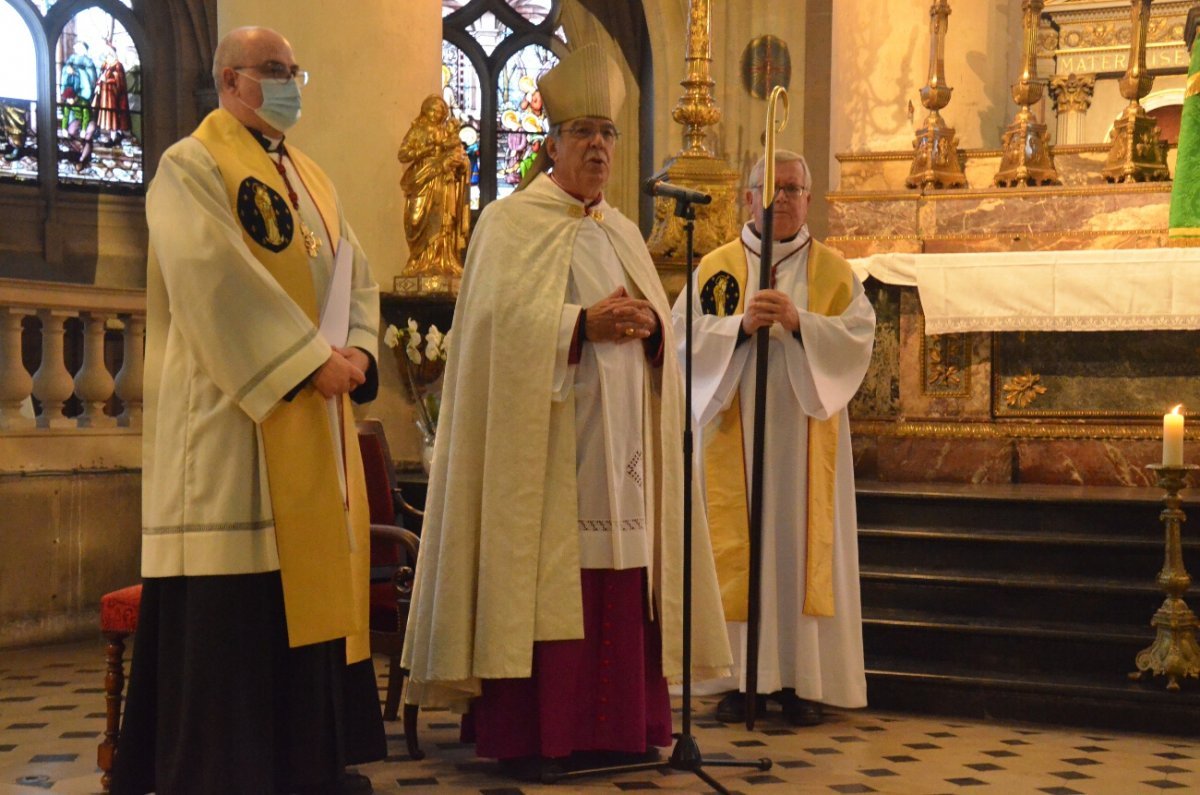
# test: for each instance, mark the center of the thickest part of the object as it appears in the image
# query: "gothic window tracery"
(493, 52)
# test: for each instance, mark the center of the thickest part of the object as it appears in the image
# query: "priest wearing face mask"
(821, 333)
(251, 671)
(548, 594)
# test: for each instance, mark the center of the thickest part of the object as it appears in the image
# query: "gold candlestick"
(696, 166)
(1025, 157)
(697, 108)
(935, 160)
(1174, 651)
(1138, 153)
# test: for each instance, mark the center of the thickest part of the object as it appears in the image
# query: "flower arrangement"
(422, 359)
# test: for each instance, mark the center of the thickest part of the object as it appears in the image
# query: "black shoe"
(348, 783)
(352, 783)
(798, 711)
(533, 769)
(732, 707)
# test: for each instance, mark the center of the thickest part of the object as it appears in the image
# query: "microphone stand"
(686, 754)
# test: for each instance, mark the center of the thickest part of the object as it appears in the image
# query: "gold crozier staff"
(762, 342)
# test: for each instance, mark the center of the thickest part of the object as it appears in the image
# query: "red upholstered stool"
(118, 620)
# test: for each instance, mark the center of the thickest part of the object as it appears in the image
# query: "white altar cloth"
(1092, 290)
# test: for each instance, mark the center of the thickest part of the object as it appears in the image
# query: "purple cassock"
(605, 692)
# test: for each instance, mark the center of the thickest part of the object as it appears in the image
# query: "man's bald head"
(242, 59)
(244, 46)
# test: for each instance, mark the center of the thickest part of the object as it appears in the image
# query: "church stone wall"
(68, 538)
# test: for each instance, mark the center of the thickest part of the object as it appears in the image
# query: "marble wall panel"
(1036, 210)
(1090, 462)
(980, 169)
(884, 217)
(1096, 374)
(1045, 241)
(946, 376)
(882, 171)
(1080, 166)
(945, 460)
(879, 395)
(852, 247)
(865, 450)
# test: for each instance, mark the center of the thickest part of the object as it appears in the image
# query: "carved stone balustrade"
(62, 330)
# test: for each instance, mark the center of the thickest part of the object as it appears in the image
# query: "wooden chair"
(382, 487)
(393, 562)
(118, 620)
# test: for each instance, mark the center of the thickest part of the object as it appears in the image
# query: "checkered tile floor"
(51, 718)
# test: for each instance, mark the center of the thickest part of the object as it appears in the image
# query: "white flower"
(391, 336)
(446, 343)
(413, 349)
(433, 344)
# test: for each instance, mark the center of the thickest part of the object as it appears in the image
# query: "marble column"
(1072, 95)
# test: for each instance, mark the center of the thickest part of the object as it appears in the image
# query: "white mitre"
(587, 82)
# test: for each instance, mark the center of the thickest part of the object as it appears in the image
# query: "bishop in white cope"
(548, 592)
(821, 333)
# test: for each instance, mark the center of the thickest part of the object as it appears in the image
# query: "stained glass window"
(18, 98)
(535, 11)
(521, 119)
(488, 31)
(44, 5)
(493, 53)
(98, 94)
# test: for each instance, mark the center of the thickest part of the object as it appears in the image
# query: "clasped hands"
(620, 318)
(769, 307)
(343, 371)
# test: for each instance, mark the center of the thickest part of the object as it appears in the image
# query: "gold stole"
(325, 583)
(726, 486)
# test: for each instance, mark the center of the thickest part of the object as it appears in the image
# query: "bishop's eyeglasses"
(586, 132)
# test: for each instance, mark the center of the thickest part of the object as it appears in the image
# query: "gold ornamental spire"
(935, 160)
(697, 109)
(696, 166)
(1025, 155)
(1138, 153)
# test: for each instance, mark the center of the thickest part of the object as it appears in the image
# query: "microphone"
(655, 186)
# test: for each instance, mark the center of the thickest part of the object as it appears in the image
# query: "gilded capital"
(1072, 93)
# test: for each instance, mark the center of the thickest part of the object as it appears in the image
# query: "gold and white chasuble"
(810, 635)
(235, 479)
(543, 468)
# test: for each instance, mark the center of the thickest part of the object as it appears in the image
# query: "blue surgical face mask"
(281, 102)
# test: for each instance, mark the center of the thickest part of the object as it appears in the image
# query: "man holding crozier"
(821, 332)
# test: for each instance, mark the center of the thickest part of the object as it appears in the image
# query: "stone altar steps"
(1017, 602)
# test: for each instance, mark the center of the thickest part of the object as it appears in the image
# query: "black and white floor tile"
(52, 718)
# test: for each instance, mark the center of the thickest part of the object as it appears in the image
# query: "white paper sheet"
(335, 316)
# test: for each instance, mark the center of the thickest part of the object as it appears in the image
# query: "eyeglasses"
(278, 72)
(586, 132)
(791, 191)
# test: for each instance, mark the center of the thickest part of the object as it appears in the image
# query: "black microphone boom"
(660, 187)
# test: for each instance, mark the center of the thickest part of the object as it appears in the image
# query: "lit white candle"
(1173, 438)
